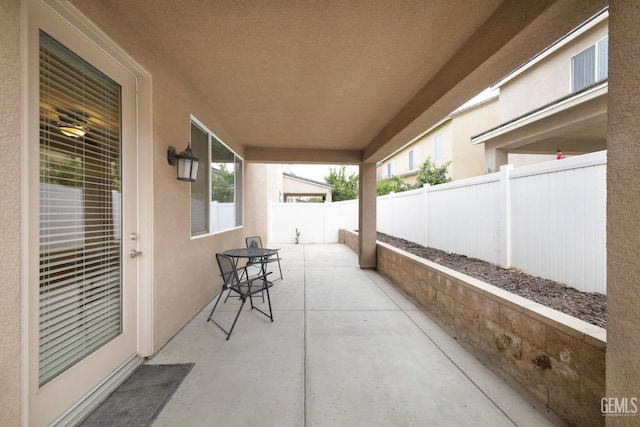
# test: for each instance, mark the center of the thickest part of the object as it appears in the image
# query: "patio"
(346, 348)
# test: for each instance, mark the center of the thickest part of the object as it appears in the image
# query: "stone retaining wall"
(560, 360)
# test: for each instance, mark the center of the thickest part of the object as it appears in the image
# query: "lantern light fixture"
(187, 163)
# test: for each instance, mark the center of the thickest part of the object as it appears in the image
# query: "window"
(216, 196)
(438, 148)
(590, 65)
(412, 160)
(389, 170)
(603, 58)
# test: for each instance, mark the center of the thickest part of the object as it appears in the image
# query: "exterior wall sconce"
(187, 163)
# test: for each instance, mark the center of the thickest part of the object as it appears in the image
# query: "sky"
(318, 172)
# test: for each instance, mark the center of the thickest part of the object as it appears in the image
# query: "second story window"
(412, 160)
(590, 65)
(389, 170)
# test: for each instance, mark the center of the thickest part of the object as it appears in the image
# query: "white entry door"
(83, 287)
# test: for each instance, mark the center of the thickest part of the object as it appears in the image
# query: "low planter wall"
(560, 360)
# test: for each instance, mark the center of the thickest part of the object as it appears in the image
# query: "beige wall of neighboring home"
(456, 131)
(293, 187)
(539, 113)
(10, 214)
(468, 160)
(423, 147)
(548, 80)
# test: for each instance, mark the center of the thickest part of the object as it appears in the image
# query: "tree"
(432, 174)
(395, 184)
(344, 187)
(222, 184)
(62, 170)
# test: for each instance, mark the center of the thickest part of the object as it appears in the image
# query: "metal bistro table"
(250, 253)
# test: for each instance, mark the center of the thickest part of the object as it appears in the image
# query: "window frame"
(205, 167)
(597, 71)
(438, 148)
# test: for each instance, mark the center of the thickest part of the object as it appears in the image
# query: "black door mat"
(140, 398)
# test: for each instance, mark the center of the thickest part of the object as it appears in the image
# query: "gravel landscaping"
(590, 307)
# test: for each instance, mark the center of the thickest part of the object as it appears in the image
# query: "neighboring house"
(298, 189)
(447, 141)
(557, 100)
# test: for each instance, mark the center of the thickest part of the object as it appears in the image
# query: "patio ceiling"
(338, 81)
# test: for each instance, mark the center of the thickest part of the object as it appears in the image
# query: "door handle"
(134, 253)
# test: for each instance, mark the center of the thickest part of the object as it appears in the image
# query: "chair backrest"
(227, 270)
(253, 242)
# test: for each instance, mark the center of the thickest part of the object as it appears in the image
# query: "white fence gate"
(548, 219)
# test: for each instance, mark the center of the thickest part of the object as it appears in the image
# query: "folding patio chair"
(256, 242)
(244, 288)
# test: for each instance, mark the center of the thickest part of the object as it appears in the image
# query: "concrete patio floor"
(345, 349)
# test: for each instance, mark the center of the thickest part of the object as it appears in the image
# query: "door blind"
(80, 210)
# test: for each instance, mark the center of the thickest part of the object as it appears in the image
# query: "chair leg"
(211, 319)
(265, 288)
(236, 319)
(216, 304)
(228, 294)
(269, 301)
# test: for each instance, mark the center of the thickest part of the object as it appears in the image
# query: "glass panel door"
(81, 151)
(80, 209)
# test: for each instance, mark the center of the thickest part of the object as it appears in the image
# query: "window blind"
(80, 284)
(583, 69)
(200, 203)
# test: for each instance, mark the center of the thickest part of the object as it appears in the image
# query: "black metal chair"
(244, 287)
(256, 242)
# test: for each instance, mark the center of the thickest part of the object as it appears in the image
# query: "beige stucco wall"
(185, 276)
(623, 205)
(468, 160)
(296, 186)
(546, 81)
(10, 223)
(275, 185)
(424, 147)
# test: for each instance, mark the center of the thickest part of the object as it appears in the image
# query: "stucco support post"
(623, 204)
(367, 216)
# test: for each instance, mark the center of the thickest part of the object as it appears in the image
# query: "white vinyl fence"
(66, 210)
(548, 220)
(316, 222)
